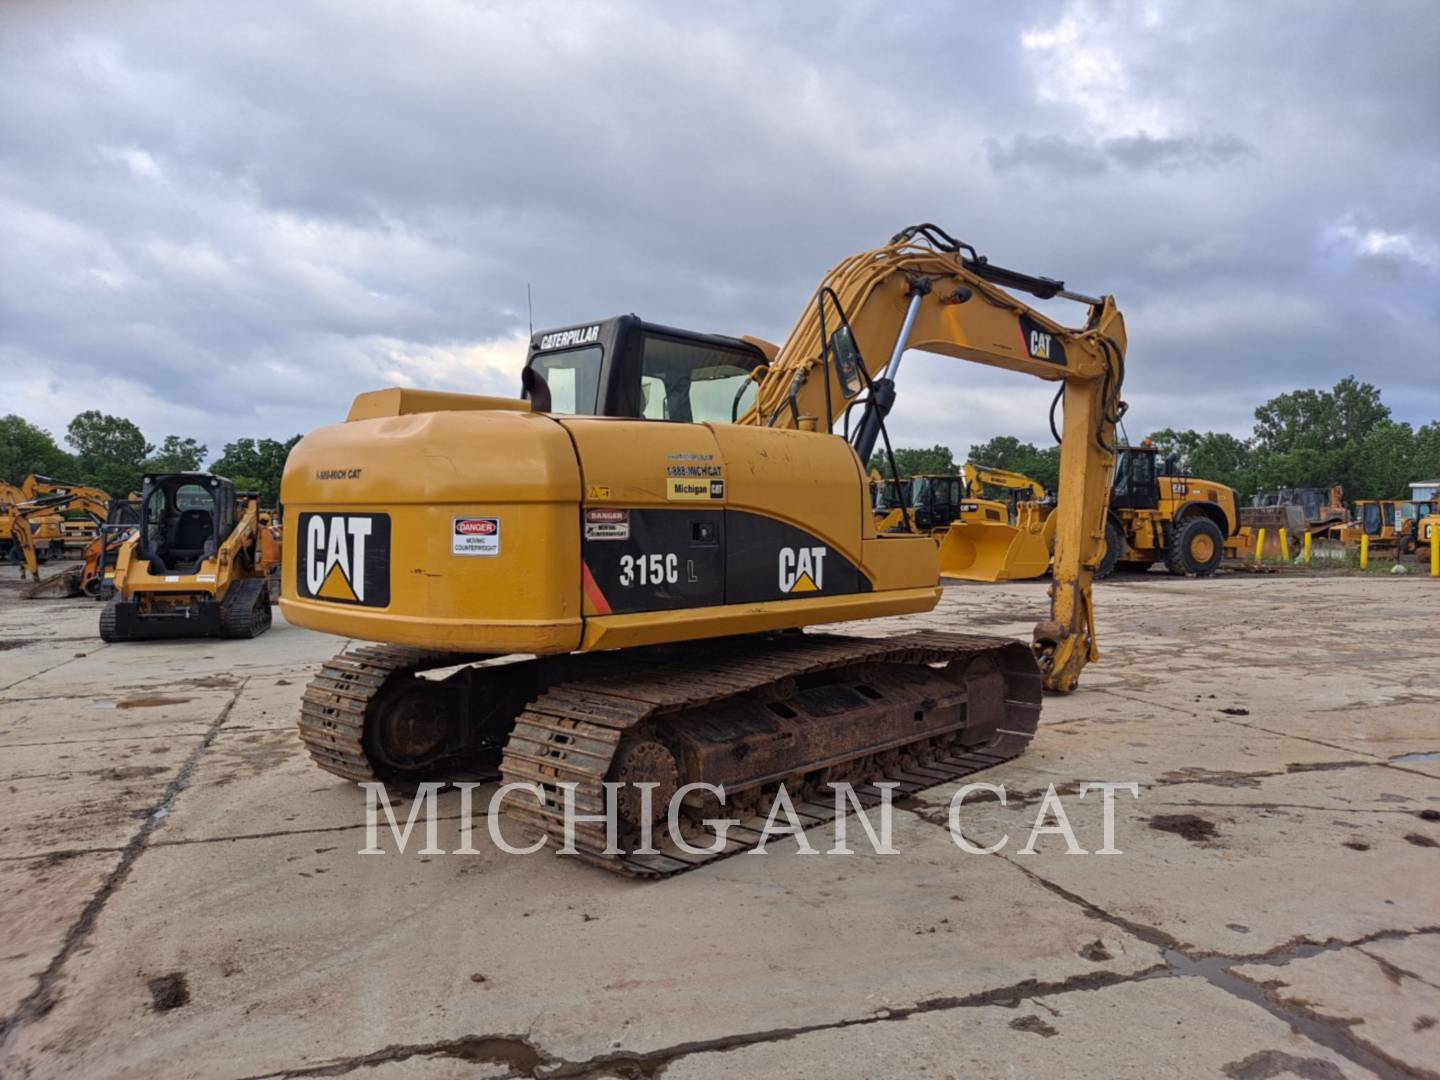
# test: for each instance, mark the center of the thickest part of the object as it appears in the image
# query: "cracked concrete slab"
(94, 715)
(83, 796)
(283, 791)
(1278, 842)
(559, 947)
(40, 899)
(1189, 1028)
(1384, 993)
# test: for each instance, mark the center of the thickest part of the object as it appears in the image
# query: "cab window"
(192, 497)
(573, 377)
(694, 383)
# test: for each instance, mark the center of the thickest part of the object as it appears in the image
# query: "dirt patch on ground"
(168, 991)
(16, 643)
(1034, 1025)
(152, 702)
(1187, 826)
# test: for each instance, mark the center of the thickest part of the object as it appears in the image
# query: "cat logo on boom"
(345, 558)
(802, 570)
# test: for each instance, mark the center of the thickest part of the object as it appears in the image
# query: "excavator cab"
(630, 368)
(185, 517)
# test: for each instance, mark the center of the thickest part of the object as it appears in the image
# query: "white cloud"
(1379, 246)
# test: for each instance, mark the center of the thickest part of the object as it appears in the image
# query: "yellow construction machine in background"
(1389, 524)
(932, 502)
(925, 502)
(53, 534)
(200, 564)
(1183, 521)
(33, 526)
(1000, 541)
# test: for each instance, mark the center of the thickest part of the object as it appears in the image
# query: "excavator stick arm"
(935, 295)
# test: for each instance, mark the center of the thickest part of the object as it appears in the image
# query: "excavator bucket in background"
(994, 551)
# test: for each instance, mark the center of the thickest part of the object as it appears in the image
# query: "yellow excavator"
(199, 563)
(644, 537)
(27, 522)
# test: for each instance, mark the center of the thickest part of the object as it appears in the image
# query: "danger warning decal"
(475, 536)
(344, 558)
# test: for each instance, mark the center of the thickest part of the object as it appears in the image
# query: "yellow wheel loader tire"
(1114, 544)
(1195, 549)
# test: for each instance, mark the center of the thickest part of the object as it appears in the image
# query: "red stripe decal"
(592, 591)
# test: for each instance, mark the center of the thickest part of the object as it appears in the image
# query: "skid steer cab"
(199, 565)
(1157, 515)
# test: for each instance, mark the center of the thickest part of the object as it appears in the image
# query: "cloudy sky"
(226, 219)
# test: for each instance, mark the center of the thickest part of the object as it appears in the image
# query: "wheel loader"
(1427, 525)
(924, 502)
(991, 542)
(199, 564)
(1183, 521)
(623, 571)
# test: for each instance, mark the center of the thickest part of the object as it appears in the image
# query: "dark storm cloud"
(227, 219)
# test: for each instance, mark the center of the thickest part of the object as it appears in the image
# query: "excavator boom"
(928, 292)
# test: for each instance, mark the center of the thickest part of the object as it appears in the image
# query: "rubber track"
(571, 732)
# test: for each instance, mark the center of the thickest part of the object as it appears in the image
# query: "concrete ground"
(181, 892)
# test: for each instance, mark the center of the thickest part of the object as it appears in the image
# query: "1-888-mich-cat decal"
(344, 558)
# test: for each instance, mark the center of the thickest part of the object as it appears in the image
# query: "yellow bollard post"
(1260, 546)
(1364, 551)
(1434, 551)
(1284, 546)
(1307, 549)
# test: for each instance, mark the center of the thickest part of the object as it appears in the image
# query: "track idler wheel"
(411, 726)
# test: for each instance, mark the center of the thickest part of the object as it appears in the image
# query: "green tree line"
(1306, 438)
(112, 453)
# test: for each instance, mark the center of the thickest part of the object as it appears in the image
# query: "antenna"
(530, 309)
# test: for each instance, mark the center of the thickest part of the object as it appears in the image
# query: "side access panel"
(695, 531)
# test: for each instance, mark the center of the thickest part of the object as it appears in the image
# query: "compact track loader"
(635, 547)
(199, 565)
